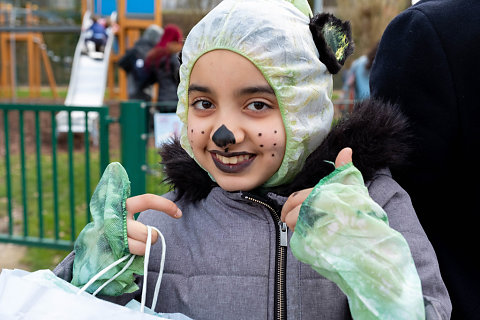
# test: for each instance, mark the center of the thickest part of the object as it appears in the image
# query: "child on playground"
(97, 33)
(251, 238)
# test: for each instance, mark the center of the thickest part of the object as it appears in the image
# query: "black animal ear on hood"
(333, 39)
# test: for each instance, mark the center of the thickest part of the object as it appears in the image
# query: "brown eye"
(202, 104)
(258, 106)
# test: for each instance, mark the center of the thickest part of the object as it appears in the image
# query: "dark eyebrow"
(194, 87)
(255, 89)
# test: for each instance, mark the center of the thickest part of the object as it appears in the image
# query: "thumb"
(343, 157)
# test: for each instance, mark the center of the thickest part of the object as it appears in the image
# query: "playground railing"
(46, 183)
(31, 164)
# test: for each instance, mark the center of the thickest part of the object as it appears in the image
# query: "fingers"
(291, 208)
(294, 200)
(343, 157)
(151, 201)
(136, 247)
(292, 217)
(137, 237)
(138, 231)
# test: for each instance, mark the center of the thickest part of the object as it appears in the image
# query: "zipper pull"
(283, 233)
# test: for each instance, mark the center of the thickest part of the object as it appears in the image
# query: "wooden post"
(31, 66)
(48, 69)
(6, 57)
(37, 71)
(6, 61)
(111, 79)
(158, 12)
(122, 77)
(36, 54)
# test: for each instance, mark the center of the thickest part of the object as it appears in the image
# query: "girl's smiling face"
(235, 127)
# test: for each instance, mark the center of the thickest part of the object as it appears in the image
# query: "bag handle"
(145, 270)
(105, 270)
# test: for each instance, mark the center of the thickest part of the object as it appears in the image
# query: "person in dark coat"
(163, 63)
(428, 62)
(133, 62)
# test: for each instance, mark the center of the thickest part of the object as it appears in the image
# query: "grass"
(45, 92)
(42, 258)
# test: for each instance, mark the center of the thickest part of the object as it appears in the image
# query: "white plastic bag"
(41, 295)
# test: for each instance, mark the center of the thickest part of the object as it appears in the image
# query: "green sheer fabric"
(104, 240)
(344, 235)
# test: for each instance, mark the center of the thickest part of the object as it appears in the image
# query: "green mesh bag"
(104, 240)
(344, 235)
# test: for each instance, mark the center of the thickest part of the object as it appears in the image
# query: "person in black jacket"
(428, 62)
(133, 62)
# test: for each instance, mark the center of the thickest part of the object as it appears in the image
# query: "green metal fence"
(46, 183)
(134, 139)
(26, 217)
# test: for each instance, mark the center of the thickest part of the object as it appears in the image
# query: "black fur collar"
(376, 131)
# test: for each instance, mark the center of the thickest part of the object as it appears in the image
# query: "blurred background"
(39, 80)
(368, 18)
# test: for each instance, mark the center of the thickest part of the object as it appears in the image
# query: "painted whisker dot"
(274, 144)
(261, 146)
(273, 155)
(203, 132)
(260, 134)
(275, 131)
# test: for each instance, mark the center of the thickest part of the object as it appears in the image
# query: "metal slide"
(87, 82)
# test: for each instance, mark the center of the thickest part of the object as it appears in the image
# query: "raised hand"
(137, 231)
(291, 208)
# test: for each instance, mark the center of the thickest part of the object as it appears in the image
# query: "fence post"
(104, 138)
(133, 127)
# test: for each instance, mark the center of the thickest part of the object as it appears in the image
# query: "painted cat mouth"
(233, 162)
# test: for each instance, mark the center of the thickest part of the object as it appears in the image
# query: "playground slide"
(87, 82)
(89, 73)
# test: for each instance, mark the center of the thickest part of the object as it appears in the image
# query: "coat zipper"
(281, 260)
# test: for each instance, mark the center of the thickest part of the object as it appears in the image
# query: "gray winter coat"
(224, 261)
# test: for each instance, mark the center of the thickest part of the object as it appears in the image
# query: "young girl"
(254, 95)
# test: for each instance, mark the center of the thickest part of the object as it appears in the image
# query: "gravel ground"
(11, 256)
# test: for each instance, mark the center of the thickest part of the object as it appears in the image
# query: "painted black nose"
(223, 137)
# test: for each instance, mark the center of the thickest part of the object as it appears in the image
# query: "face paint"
(229, 101)
(223, 137)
